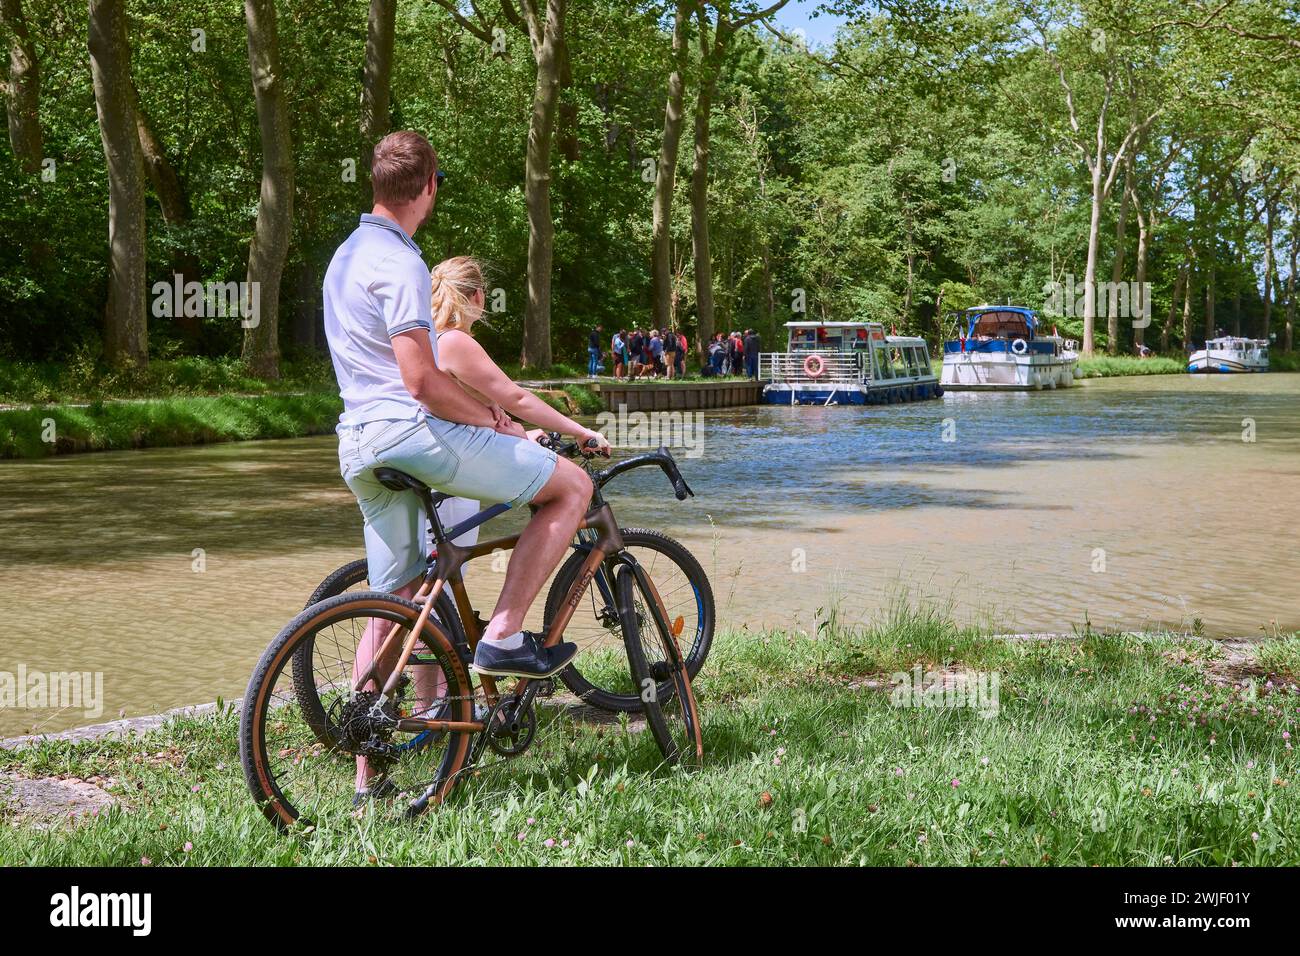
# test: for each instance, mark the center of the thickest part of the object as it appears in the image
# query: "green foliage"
(927, 153)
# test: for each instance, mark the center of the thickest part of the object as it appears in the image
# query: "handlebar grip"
(679, 487)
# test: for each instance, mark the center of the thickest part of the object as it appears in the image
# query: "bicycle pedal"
(545, 687)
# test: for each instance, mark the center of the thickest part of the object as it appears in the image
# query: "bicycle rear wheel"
(295, 777)
(322, 665)
(655, 659)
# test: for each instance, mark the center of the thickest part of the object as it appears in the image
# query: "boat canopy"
(998, 321)
(1235, 342)
(834, 336)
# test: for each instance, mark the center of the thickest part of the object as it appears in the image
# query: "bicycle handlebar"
(662, 458)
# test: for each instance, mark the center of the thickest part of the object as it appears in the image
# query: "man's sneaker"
(380, 791)
(529, 659)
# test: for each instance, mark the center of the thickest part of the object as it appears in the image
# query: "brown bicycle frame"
(448, 568)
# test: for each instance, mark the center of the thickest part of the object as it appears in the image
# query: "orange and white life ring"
(814, 366)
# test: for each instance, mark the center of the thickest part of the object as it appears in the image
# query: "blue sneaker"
(529, 659)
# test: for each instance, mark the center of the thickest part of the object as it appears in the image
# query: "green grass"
(1280, 656)
(81, 380)
(102, 426)
(1106, 749)
(1107, 366)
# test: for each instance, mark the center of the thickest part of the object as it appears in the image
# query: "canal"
(1167, 501)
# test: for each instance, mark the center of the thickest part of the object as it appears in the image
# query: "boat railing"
(796, 367)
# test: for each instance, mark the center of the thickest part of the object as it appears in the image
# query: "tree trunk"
(125, 329)
(275, 202)
(1140, 278)
(1209, 300)
(700, 209)
(661, 278)
(1117, 264)
(24, 90)
(1187, 308)
(1288, 340)
(1173, 309)
(1269, 289)
(376, 76)
(1090, 273)
(547, 38)
(162, 174)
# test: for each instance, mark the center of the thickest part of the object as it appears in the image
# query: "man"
(400, 410)
(593, 352)
(752, 345)
(656, 347)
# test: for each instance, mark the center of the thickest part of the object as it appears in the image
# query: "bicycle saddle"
(395, 480)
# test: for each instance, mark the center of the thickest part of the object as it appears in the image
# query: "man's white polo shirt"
(376, 286)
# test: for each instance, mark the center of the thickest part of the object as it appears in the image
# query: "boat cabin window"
(998, 325)
(884, 367)
(829, 340)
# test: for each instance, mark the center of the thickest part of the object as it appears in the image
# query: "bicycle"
(596, 676)
(297, 759)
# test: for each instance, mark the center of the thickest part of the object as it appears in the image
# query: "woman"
(457, 301)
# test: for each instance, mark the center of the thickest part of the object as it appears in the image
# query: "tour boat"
(847, 363)
(1230, 354)
(1001, 347)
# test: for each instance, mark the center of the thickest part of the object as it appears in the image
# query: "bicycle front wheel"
(655, 659)
(598, 675)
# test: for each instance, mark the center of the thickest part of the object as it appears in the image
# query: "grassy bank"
(160, 423)
(63, 408)
(1109, 366)
(80, 381)
(1105, 749)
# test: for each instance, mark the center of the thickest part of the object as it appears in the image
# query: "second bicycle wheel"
(599, 676)
(655, 659)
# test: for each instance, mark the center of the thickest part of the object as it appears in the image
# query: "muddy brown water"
(1132, 502)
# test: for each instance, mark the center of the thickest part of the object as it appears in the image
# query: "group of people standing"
(648, 353)
(655, 353)
(734, 354)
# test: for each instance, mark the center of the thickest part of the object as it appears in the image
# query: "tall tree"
(376, 77)
(22, 89)
(1093, 146)
(542, 23)
(125, 329)
(713, 54)
(661, 277)
(274, 225)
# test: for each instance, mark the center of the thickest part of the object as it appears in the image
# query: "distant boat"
(1001, 347)
(847, 363)
(1230, 354)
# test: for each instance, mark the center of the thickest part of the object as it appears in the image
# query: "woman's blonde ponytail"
(454, 283)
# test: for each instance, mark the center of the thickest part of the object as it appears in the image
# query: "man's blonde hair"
(455, 281)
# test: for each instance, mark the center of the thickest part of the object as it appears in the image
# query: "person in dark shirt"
(594, 351)
(752, 346)
(669, 338)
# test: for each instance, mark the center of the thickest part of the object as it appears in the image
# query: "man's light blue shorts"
(455, 459)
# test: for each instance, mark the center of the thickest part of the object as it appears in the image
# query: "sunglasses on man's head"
(439, 177)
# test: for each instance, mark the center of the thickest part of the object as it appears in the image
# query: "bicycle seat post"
(430, 509)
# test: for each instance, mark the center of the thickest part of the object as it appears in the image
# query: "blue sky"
(795, 15)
